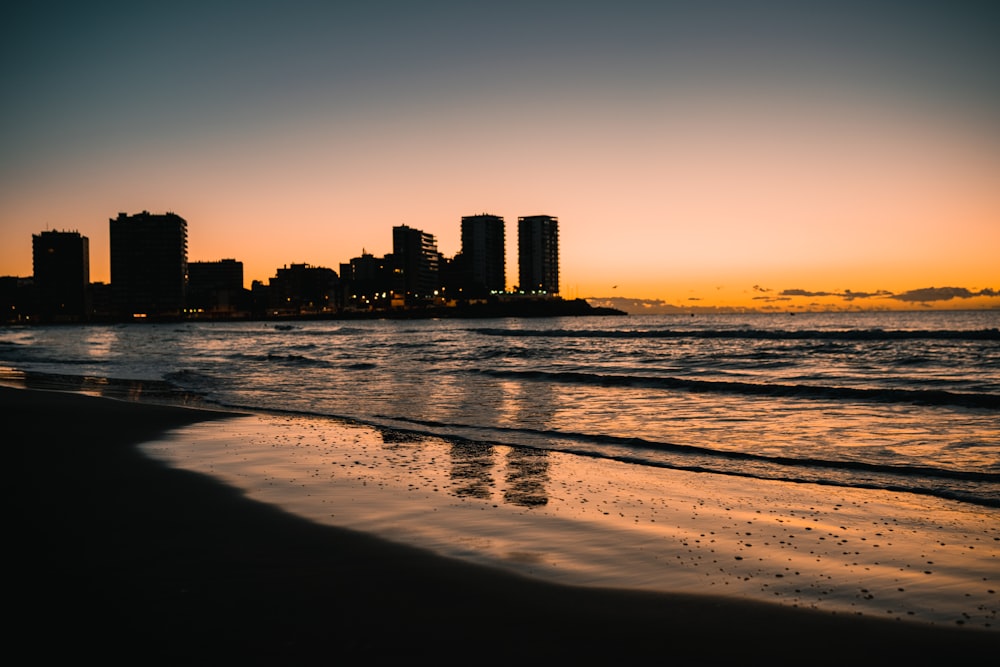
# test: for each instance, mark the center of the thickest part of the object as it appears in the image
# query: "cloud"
(802, 292)
(927, 294)
(768, 300)
(878, 294)
(848, 295)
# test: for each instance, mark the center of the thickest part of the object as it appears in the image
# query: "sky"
(771, 155)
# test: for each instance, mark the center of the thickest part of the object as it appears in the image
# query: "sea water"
(906, 401)
(845, 462)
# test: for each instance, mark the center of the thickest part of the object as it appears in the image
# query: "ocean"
(902, 401)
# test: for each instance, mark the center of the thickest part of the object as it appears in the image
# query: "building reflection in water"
(526, 476)
(527, 469)
(475, 466)
(472, 466)
(391, 436)
(477, 469)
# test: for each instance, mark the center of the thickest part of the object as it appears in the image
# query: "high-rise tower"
(148, 264)
(61, 266)
(483, 255)
(415, 262)
(538, 254)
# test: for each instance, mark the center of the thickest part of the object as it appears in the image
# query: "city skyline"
(153, 277)
(836, 156)
(632, 305)
(471, 246)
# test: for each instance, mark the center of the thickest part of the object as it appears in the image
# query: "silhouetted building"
(17, 297)
(260, 300)
(415, 263)
(101, 301)
(482, 259)
(301, 289)
(148, 265)
(61, 265)
(538, 254)
(454, 278)
(216, 288)
(366, 281)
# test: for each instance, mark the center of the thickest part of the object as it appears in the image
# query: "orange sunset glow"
(789, 157)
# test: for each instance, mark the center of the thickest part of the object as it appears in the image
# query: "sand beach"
(122, 554)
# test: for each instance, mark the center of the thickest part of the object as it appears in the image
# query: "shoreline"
(518, 308)
(586, 521)
(123, 553)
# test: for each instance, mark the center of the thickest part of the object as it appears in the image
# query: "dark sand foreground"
(118, 558)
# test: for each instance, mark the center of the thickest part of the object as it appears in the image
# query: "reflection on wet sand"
(474, 465)
(472, 470)
(608, 523)
(527, 469)
(527, 475)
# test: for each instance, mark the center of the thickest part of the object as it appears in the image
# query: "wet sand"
(119, 556)
(596, 522)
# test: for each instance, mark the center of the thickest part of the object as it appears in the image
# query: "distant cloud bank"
(847, 295)
(925, 296)
(928, 294)
(922, 295)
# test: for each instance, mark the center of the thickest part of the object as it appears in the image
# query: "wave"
(882, 395)
(980, 487)
(761, 334)
(977, 487)
(145, 390)
(284, 359)
(643, 443)
(304, 361)
(279, 330)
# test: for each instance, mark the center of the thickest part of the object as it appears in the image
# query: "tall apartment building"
(215, 287)
(415, 263)
(16, 299)
(366, 280)
(61, 265)
(538, 254)
(301, 289)
(149, 265)
(483, 254)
